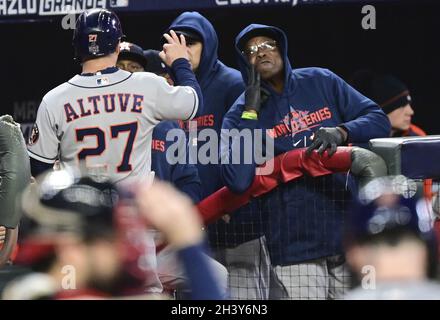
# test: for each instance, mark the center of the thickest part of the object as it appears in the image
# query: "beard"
(124, 283)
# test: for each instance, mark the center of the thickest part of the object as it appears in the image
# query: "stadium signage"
(47, 7)
(35, 8)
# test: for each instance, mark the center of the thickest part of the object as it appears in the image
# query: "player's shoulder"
(137, 76)
(61, 91)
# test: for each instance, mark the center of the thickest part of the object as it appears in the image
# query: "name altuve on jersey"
(93, 105)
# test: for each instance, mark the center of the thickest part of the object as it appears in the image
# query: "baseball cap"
(131, 51)
(386, 206)
(154, 62)
(190, 35)
(258, 32)
(63, 202)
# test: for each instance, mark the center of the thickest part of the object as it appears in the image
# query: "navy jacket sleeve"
(186, 178)
(362, 117)
(237, 174)
(185, 175)
(234, 91)
(183, 76)
(179, 171)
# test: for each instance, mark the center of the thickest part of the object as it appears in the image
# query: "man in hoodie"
(86, 247)
(312, 108)
(220, 85)
(240, 249)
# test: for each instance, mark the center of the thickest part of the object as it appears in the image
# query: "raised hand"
(175, 48)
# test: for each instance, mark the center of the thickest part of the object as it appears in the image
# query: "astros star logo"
(124, 46)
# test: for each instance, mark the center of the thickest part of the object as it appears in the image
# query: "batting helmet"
(91, 208)
(66, 200)
(97, 33)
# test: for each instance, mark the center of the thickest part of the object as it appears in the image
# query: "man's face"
(129, 65)
(401, 117)
(264, 53)
(195, 53)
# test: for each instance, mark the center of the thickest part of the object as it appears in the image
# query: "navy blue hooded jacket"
(220, 87)
(304, 217)
(183, 175)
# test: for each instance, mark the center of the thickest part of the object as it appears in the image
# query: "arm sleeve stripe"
(195, 106)
(40, 158)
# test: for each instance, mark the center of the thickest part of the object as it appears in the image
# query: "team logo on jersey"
(297, 121)
(33, 138)
(102, 81)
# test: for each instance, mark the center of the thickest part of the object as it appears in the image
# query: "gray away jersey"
(105, 121)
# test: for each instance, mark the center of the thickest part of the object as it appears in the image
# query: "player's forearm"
(185, 77)
(238, 176)
(201, 279)
(187, 180)
(191, 188)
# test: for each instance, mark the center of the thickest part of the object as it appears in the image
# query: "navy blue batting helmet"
(97, 33)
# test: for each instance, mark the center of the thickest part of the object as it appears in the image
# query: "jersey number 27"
(99, 134)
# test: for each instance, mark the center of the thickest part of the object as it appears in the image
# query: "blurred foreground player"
(86, 239)
(390, 248)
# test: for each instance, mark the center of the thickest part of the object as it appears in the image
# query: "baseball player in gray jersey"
(103, 118)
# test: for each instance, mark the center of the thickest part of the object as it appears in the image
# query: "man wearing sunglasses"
(298, 108)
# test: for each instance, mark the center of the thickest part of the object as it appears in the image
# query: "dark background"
(37, 56)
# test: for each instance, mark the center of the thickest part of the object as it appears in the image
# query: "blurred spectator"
(390, 247)
(393, 96)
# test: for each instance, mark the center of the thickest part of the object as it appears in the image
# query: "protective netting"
(288, 243)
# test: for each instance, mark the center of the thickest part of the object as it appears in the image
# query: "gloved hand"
(252, 95)
(326, 138)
